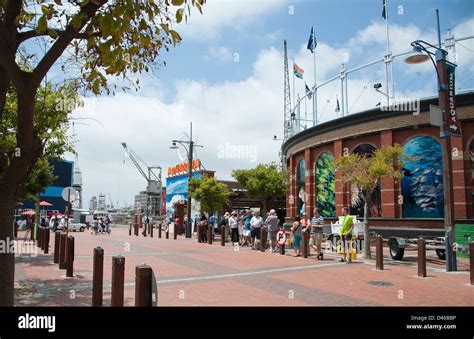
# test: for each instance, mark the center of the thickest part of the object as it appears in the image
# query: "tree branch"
(12, 10)
(7, 58)
(4, 83)
(33, 34)
(86, 13)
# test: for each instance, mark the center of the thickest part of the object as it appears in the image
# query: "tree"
(104, 41)
(264, 182)
(365, 172)
(212, 194)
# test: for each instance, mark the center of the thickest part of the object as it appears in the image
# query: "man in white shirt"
(255, 223)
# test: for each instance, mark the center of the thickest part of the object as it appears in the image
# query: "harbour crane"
(152, 176)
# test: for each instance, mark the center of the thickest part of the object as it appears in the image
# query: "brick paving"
(193, 274)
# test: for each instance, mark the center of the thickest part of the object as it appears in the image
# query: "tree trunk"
(367, 254)
(7, 260)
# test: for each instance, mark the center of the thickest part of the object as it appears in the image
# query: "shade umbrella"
(45, 203)
(30, 212)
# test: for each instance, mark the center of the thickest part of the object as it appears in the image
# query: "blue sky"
(236, 106)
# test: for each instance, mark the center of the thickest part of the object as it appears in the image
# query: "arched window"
(357, 203)
(422, 183)
(325, 185)
(300, 187)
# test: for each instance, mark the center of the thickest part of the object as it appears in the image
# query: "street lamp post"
(450, 127)
(189, 150)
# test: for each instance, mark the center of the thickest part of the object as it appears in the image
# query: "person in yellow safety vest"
(346, 233)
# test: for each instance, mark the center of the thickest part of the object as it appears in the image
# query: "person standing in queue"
(346, 234)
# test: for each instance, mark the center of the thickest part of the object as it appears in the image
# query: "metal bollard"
(130, 229)
(15, 230)
(47, 235)
(159, 231)
(118, 270)
(282, 249)
(175, 232)
(421, 258)
(39, 237)
(222, 235)
(57, 234)
(199, 230)
(143, 274)
(62, 251)
(209, 235)
(98, 276)
(135, 226)
(471, 261)
(304, 246)
(263, 239)
(152, 226)
(379, 253)
(167, 234)
(70, 257)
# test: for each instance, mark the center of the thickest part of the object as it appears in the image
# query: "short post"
(167, 234)
(471, 261)
(143, 274)
(209, 235)
(159, 231)
(199, 230)
(304, 246)
(57, 235)
(263, 239)
(151, 230)
(118, 270)
(421, 258)
(379, 253)
(136, 229)
(129, 229)
(62, 251)
(40, 237)
(282, 249)
(222, 235)
(15, 230)
(175, 231)
(98, 276)
(70, 257)
(46, 241)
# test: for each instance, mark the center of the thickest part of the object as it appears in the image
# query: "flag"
(308, 91)
(337, 106)
(384, 13)
(312, 41)
(298, 71)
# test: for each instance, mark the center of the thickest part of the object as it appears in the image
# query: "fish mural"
(325, 185)
(422, 184)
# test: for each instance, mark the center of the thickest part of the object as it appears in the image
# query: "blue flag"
(312, 41)
(337, 105)
(384, 13)
(308, 91)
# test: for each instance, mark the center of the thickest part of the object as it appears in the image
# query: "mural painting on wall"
(300, 186)
(325, 185)
(357, 201)
(422, 184)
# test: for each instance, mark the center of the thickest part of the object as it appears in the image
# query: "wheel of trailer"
(81, 229)
(395, 251)
(441, 254)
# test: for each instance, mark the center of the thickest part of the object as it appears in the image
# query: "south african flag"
(298, 71)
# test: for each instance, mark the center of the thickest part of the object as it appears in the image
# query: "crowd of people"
(101, 225)
(243, 229)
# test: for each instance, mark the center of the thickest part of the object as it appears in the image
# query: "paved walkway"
(193, 274)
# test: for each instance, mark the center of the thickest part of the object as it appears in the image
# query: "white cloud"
(219, 53)
(222, 14)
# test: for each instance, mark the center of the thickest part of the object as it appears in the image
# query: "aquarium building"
(416, 203)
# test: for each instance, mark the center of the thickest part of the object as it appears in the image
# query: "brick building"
(414, 204)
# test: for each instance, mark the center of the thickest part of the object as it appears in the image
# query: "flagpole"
(315, 93)
(387, 52)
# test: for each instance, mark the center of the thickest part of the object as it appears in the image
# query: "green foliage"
(366, 171)
(212, 194)
(122, 37)
(264, 181)
(52, 108)
(325, 185)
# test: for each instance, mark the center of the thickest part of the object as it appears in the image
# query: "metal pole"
(70, 257)
(378, 253)
(443, 94)
(439, 30)
(98, 276)
(57, 235)
(421, 258)
(62, 251)
(143, 274)
(346, 104)
(46, 241)
(190, 175)
(342, 89)
(118, 269)
(315, 93)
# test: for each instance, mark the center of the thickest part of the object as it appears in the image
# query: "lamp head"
(417, 56)
(173, 146)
